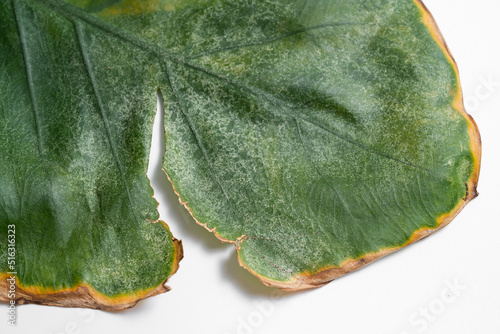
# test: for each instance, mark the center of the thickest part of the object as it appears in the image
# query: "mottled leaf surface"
(74, 148)
(317, 136)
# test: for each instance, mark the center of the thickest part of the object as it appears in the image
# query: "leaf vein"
(280, 104)
(192, 128)
(273, 39)
(69, 10)
(28, 74)
(100, 108)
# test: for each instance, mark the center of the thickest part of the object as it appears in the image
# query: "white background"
(404, 293)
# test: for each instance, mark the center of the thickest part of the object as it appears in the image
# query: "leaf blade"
(85, 228)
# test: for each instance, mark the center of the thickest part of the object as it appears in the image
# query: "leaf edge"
(84, 295)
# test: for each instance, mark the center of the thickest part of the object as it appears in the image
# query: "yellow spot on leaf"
(136, 7)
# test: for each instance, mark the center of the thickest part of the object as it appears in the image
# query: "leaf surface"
(317, 136)
(74, 143)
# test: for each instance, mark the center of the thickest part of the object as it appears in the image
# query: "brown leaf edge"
(309, 280)
(84, 295)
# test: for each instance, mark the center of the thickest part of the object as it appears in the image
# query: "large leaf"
(74, 148)
(317, 136)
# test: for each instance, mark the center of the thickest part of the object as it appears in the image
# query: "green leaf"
(74, 142)
(317, 136)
